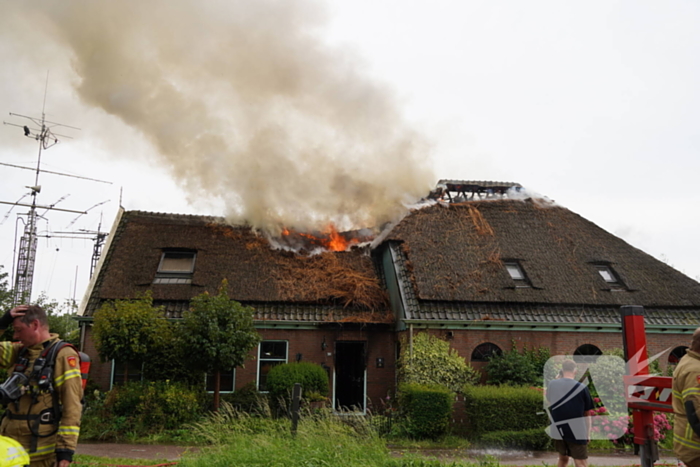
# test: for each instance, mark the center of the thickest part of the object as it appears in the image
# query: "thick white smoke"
(242, 101)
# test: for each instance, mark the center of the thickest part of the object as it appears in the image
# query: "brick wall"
(382, 344)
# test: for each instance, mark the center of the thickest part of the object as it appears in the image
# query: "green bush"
(282, 378)
(248, 400)
(503, 408)
(433, 361)
(513, 368)
(427, 410)
(535, 439)
(144, 408)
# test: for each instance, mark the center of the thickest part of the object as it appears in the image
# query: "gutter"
(545, 327)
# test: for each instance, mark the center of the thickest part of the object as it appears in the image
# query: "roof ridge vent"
(459, 191)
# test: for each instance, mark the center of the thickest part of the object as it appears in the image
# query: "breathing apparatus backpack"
(43, 375)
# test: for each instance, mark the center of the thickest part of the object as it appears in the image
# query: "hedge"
(503, 408)
(428, 409)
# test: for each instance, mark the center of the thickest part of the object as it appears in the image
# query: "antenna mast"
(26, 257)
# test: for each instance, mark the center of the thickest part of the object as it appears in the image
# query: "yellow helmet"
(12, 454)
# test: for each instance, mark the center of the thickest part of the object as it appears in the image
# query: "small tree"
(219, 333)
(434, 362)
(126, 330)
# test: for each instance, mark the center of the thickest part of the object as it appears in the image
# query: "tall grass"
(322, 439)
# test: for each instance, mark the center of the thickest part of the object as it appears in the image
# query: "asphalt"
(504, 457)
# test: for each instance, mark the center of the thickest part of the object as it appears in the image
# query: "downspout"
(410, 341)
(82, 336)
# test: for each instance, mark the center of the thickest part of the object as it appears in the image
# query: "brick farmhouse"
(474, 264)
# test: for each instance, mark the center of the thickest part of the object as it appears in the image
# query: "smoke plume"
(243, 101)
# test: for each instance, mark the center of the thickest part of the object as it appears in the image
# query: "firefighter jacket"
(686, 387)
(33, 420)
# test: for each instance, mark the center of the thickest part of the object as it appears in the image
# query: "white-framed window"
(227, 381)
(175, 267)
(270, 354)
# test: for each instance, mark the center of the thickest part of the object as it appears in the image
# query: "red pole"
(635, 346)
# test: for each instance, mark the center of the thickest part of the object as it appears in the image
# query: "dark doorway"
(350, 376)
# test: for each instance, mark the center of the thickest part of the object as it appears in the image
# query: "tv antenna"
(43, 131)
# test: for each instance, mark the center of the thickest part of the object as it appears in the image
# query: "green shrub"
(282, 378)
(433, 361)
(248, 400)
(503, 408)
(145, 408)
(513, 368)
(535, 439)
(427, 409)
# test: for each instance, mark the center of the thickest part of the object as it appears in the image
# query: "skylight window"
(608, 274)
(516, 272)
(176, 267)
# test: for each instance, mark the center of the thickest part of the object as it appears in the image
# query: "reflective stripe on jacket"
(686, 387)
(68, 385)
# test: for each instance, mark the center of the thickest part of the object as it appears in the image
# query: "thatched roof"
(454, 253)
(344, 284)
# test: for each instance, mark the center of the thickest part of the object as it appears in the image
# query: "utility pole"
(41, 130)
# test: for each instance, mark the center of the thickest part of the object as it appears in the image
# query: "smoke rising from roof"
(243, 101)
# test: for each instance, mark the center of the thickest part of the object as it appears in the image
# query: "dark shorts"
(567, 448)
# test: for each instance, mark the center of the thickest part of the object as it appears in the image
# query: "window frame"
(113, 381)
(221, 391)
(521, 282)
(609, 275)
(484, 356)
(183, 276)
(262, 360)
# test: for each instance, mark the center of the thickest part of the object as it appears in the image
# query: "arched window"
(484, 351)
(676, 354)
(587, 353)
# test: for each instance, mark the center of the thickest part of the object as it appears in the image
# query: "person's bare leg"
(581, 462)
(563, 461)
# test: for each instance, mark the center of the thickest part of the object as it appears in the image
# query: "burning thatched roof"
(456, 253)
(344, 283)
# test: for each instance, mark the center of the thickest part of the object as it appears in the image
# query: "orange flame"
(330, 240)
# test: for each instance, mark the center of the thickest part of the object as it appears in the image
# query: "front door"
(349, 388)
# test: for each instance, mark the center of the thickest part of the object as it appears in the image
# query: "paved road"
(509, 458)
(513, 458)
(133, 451)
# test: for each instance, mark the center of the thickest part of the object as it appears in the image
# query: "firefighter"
(686, 405)
(44, 417)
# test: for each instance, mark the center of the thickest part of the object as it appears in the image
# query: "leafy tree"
(5, 292)
(434, 362)
(61, 318)
(219, 333)
(127, 330)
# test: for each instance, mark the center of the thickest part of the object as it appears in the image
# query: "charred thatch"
(258, 275)
(324, 277)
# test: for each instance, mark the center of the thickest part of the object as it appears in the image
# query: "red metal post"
(635, 346)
